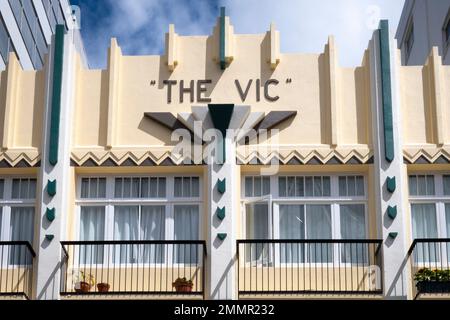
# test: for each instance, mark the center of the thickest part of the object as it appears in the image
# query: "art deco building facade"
(329, 182)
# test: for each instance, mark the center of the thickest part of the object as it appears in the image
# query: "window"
(257, 186)
(305, 208)
(430, 214)
(409, 42)
(17, 202)
(131, 208)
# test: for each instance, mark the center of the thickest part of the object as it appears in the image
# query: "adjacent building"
(27, 27)
(225, 169)
(424, 24)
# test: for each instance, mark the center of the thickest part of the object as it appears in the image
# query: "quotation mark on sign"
(373, 13)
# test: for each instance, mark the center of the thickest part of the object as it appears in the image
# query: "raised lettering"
(271, 82)
(201, 88)
(189, 90)
(169, 84)
(242, 94)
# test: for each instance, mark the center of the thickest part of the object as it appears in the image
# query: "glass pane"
(2, 189)
(24, 184)
(195, 185)
(21, 229)
(266, 186)
(92, 228)
(248, 186)
(360, 186)
(422, 185)
(318, 226)
(430, 185)
(93, 188)
(186, 187)
(16, 189)
(257, 227)
(162, 187)
(102, 187)
(353, 226)
(152, 228)
(326, 186)
(126, 188)
(186, 226)
(282, 186)
(154, 187)
(257, 186)
(424, 223)
(84, 188)
(351, 187)
(309, 186)
(343, 186)
(32, 189)
(412, 185)
(317, 186)
(126, 227)
(145, 188)
(299, 187)
(446, 180)
(178, 187)
(291, 186)
(292, 227)
(135, 188)
(118, 188)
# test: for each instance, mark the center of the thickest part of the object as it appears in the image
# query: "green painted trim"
(56, 94)
(221, 116)
(51, 188)
(49, 237)
(223, 63)
(222, 236)
(391, 184)
(393, 235)
(50, 214)
(392, 212)
(221, 186)
(220, 212)
(386, 90)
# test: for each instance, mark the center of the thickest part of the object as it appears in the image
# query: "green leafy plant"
(426, 274)
(84, 277)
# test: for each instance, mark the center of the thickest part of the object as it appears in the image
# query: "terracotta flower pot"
(183, 288)
(84, 287)
(103, 287)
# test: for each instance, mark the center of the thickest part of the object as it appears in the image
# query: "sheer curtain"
(292, 227)
(425, 226)
(153, 228)
(126, 227)
(257, 227)
(92, 228)
(353, 226)
(21, 229)
(186, 224)
(318, 226)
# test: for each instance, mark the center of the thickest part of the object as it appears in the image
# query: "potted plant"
(103, 287)
(183, 285)
(84, 282)
(432, 281)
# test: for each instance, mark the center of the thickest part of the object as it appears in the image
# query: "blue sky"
(140, 25)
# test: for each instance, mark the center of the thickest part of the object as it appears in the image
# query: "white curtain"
(353, 226)
(126, 227)
(21, 229)
(92, 228)
(186, 224)
(425, 226)
(257, 227)
(318, 226)
(292, 227)
(153, 228)
(446, 185)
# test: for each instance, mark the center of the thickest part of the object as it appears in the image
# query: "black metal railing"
(309, 266)
(133, 267)
(430, 266)
(16, 268)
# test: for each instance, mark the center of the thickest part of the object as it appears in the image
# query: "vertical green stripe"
(223, 63)
(56, 93)
(386, 90)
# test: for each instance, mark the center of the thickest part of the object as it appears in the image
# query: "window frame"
(7, 203)
(334, 201)
(110, 201)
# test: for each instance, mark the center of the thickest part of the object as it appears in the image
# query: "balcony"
(133, 269)
(289, 268)
(430, 268)
(16, 269)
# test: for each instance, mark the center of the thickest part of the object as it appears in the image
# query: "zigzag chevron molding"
(20, 158)
(426, 155)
